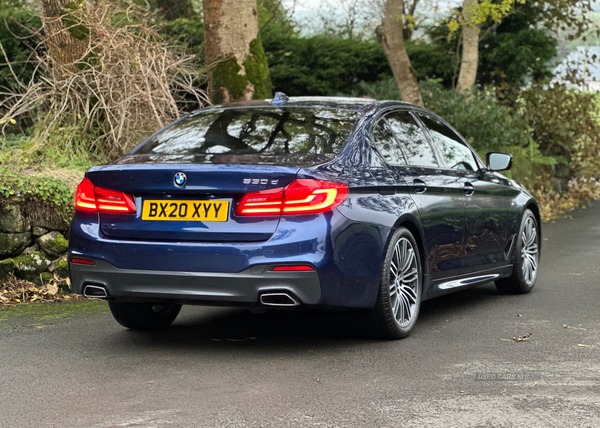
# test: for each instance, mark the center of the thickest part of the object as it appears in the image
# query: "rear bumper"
(346, 256)
(244, 287)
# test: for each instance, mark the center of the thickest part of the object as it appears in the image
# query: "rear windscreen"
(268, 131)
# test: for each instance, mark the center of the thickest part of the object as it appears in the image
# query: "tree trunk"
(392, 41)
(470, 49)
(67, 38)
(237, 65)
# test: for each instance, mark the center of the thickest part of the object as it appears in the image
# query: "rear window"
(269, 131)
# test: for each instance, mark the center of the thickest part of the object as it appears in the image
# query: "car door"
(438, 196)
(485, 198)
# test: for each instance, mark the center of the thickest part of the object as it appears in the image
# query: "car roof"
(342, 103)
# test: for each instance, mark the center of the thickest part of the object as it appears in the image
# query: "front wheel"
(399, 299)
(144, 316)
(525, 268)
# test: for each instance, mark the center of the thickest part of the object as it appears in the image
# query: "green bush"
(16, 30)
(321, 65)
(432, 61)
(565, 125)
(186, 31)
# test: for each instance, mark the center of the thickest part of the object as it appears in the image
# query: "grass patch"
(61, 150)
(42, 312)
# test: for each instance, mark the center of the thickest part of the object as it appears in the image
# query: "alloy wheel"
(529, 251)
(404, 282)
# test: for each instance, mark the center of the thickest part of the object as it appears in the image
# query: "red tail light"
(302, 196)
(85, 200)
(267, 202)
(97, 199)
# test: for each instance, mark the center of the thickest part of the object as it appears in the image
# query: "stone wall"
(33, 247)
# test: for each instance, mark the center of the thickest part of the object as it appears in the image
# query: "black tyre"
(527, 256)
(144, 316)
(399, 299)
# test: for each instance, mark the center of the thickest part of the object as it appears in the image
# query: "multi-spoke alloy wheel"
(399, 298)
(403, 282)
(529, 251)
(527, 258)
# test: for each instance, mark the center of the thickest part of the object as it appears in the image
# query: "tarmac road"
(322, 369)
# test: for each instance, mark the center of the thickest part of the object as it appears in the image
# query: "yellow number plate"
(185, 210)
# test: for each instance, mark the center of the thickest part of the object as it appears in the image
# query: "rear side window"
(455, 152)
(412, 138)
(387, 144)
(269, 131)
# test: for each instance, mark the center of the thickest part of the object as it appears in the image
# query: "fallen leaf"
(522, 338)
(52, 289)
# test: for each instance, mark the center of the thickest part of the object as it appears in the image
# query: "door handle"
(419, 185)
(469, 189)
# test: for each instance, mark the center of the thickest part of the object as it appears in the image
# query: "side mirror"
(499, 161)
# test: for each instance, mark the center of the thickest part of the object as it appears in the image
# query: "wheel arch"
(533, 206)
(412, 225)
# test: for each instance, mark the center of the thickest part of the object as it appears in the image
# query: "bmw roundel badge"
(180, 179)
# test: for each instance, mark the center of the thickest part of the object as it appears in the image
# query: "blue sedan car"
(301, 202)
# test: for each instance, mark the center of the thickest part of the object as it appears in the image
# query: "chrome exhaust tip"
(95, 291)
(278, 299)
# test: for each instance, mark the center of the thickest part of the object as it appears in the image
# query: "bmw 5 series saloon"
(301, 203)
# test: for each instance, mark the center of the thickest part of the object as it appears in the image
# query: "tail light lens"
(267, 202)
(97, 199)
(303, 196)
(313, 196)
(85, 200)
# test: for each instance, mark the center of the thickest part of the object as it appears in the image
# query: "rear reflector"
(303, 196)
(97, 199)
(292, 268)
(82, 261)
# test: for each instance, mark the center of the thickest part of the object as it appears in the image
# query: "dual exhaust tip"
(96, 291)
(267, 299)
(278, 299)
